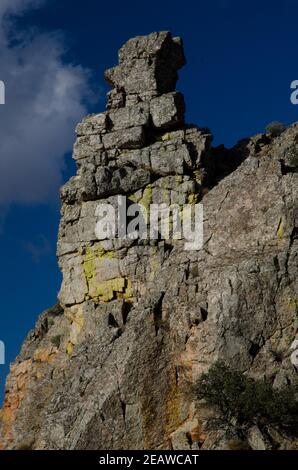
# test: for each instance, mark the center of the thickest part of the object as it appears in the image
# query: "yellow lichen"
(166, 136)
(128, 293)
(89, 268)
(109, 289)
(98, 252)
(120, 287)
(69, 348)
(133, 198)
(197, 176)
(146, 201)
(147, 197)
(280, 230)
(91, 254)
(193, 198)
(179, 179)
(292, 304)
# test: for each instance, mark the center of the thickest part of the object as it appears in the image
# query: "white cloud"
(44, 100)
(16, 6)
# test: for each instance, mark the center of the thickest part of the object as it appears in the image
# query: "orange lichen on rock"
(17, 387)
(18, 380)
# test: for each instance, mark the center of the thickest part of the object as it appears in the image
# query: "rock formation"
(138, 321)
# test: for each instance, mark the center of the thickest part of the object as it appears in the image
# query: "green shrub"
(275, 128)
(56, 340)
(246, 400)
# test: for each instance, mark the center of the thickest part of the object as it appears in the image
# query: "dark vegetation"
(245, 401)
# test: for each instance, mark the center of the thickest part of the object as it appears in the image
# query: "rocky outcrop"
(140, 320)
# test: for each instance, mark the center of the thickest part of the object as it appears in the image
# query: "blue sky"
(241, 59)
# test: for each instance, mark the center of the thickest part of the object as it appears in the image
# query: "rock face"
(138, 321)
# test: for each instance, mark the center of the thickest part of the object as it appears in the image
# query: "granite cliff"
(112, 366)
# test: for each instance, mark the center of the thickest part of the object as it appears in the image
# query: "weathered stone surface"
(130, 116)
(132, 138)
(116, 99)
(87, 146)
(74, 285)
(122, 180)
(256, 439)
(148, 64)
(93, 124)
(140, 320)
(167, 110)
(168, 159)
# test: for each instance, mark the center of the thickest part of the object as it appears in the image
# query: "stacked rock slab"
(139, 148)
(139, 320)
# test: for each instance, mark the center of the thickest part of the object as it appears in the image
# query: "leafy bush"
(275, 128)
(56, 340)
(246, 400)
